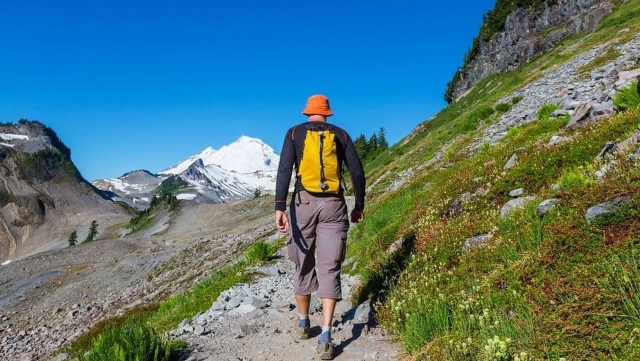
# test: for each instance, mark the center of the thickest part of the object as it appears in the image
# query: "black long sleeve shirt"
(292, 151)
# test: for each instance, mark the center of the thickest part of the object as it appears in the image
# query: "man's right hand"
(357, 216)
(282, 222)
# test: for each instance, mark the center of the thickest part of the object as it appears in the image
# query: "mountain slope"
(43, 197)
(510, 39)
(514, 213)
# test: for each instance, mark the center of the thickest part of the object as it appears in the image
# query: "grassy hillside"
(531, 287)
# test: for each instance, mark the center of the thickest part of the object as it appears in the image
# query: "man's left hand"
(357, 216)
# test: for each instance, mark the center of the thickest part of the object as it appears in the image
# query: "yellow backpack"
(319, 171)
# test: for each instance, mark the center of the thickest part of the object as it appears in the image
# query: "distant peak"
(208, 150)
(244, 139)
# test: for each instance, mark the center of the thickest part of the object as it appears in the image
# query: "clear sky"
(133, 85)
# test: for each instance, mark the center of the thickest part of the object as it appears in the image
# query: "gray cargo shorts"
(317, 243)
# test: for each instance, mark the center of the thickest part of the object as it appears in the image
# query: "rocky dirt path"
(257, 321)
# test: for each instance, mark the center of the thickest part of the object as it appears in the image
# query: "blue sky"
(144, 84)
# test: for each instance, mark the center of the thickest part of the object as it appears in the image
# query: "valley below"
(49, 299)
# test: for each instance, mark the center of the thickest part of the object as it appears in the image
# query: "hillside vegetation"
(474, 282)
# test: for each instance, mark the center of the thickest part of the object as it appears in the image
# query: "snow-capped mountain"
(245, 155)
(234, 172)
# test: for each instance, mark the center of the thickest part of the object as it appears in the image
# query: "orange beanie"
(318, 104)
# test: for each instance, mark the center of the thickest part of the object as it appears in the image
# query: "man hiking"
(318, 222)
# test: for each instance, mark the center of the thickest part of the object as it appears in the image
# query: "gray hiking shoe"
(303, 329)
(325, 349)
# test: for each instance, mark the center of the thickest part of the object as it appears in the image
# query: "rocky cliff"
(527, 33)
(43, 197)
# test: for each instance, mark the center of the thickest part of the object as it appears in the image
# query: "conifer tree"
(372, 146)
(382, 140)
(93, 231)
(361, 146)
(73, 238)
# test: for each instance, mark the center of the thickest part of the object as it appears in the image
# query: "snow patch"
(7, 145)
(186, 196)
(5, 136)
(5, 263)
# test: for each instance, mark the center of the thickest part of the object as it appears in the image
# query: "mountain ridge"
(236, 171)
(43, 196)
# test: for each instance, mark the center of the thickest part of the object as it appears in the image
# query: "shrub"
(627, 97)
(470, 122)
(73, 238)
(515, 100)
(131, 341)
(575, 177)
(258, 253)
(545, 112)
(503, 107)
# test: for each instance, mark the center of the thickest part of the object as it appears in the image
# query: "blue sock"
(325, 336)
(304, 321)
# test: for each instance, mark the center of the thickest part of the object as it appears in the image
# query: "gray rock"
(545, 206)
(605, 208)
(257, 303)
(515, 204)
(201, 319)
(218, 305)
(608, 149)
(396, 246)
(363, 313)
(516, 192)
(511, 162)
(626, 77)
(62, 357)
(243, 309)
(183, 323)
(233, 303)
(557, 139)
(198, 330)
(580, 115)
(559, 113)
(476, 241)
(603, 110)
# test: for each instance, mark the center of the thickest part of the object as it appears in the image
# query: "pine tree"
(93, 231)
(382, 140)
(73, 238)
(372, 145)
(361, 146)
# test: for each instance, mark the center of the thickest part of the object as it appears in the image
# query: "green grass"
(132, 341)
(576, 177)
(531, 283)
(627, 97)
(545, 112)
(259, 252)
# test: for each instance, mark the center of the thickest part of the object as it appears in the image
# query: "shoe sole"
(325, 350)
